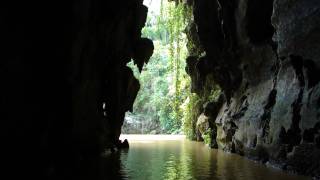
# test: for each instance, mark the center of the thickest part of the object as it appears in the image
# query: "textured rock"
(203, 123)
(64, 82)
(264, 55)
(137, 124)
(65, 86)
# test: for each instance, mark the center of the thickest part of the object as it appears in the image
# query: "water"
(152, 157)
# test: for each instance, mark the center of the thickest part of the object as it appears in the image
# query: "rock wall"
(264, 55)
(139, 124)
(65, 86)
(64, 82)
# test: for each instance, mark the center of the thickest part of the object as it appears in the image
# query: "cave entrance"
(161, 103)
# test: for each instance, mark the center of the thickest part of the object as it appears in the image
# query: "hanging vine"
(177, 15)
(165, 84)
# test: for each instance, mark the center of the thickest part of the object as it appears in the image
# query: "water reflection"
(182, 159)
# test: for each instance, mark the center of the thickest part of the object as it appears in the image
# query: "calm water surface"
(172, 157)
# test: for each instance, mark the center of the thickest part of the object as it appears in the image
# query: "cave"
(65, 87)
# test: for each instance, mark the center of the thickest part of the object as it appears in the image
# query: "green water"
(156, 158)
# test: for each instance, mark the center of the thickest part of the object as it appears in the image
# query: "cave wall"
(264, 55)
(60, 63)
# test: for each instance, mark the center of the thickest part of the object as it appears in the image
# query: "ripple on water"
(159, 157)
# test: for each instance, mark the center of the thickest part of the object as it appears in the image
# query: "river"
(157, 157)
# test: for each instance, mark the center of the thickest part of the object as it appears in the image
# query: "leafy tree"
(164, 97)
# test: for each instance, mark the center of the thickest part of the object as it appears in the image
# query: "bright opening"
(160, 106)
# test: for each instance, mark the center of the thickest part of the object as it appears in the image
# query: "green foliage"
(190, 114)
(164, 82)
(164, 95)
(207, 137)
(192, 107)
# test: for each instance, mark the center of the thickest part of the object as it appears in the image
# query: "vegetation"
(164, 82)
(164, 97)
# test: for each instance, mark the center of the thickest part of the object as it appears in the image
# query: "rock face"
(65, 86)
(265, 57)
(135, 124)
(64, 82)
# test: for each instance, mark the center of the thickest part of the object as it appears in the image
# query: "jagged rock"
(139, 125)
(265, 58)
(203, 123)
(211, 109)
(142, 52)
(196, 84)
(297, 24)
(207, 130)
(304, 159)
(63, 62)
(123, 144)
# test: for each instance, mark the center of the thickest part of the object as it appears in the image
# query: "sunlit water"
(172, 157)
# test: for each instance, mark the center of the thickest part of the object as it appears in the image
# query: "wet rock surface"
(265, 57)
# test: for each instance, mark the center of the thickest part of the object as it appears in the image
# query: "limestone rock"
(264, 55)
